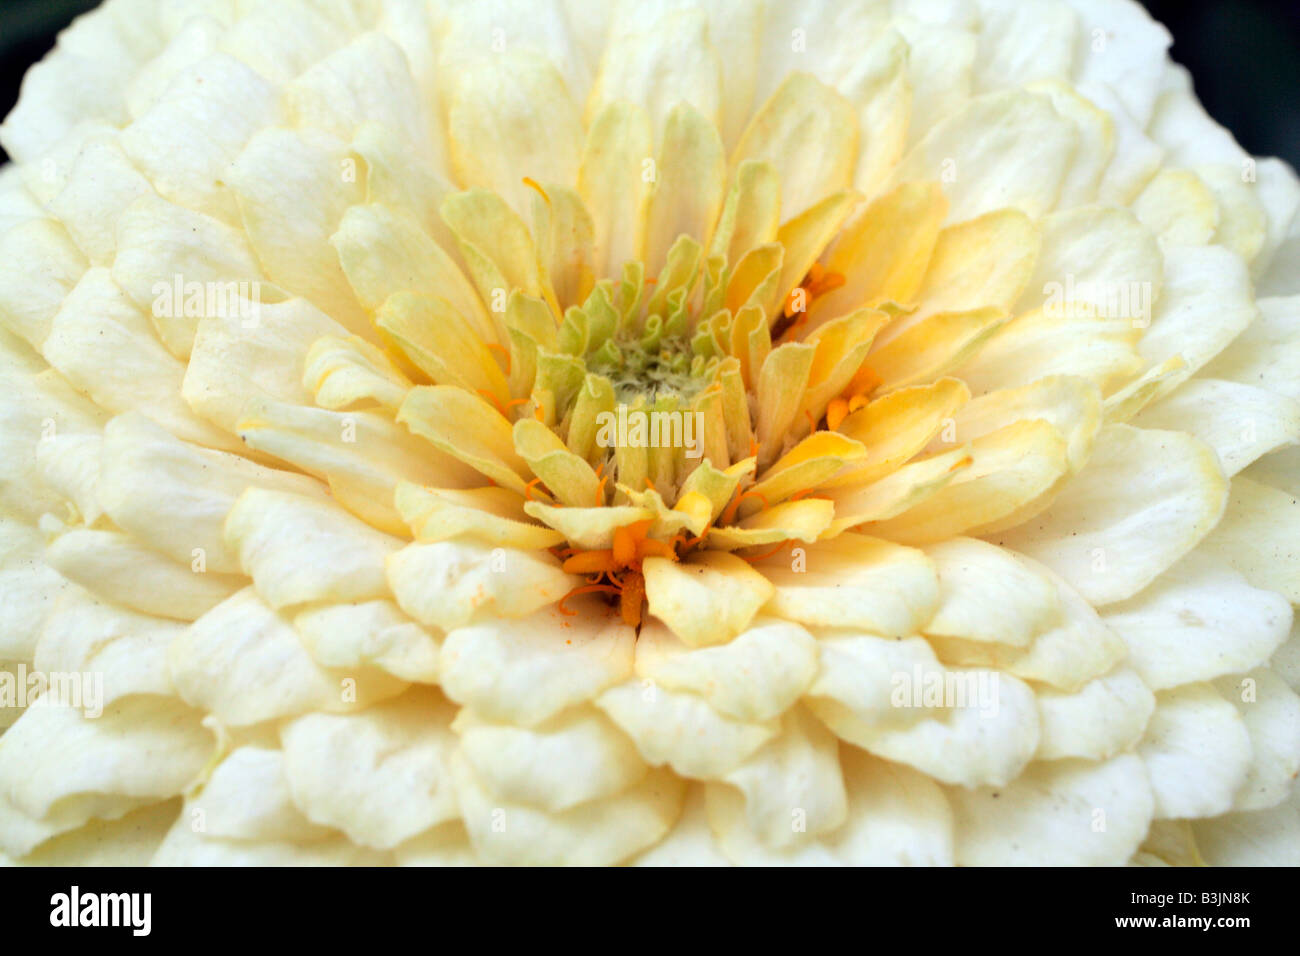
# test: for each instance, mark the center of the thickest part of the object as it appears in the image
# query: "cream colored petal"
(681, 729)
(352, 373)
(671, 62)
(1042, 342)
(1003, 149)
(130, 840)
(511, 116)
(898, 425)
(1094, 151)
(895, 493)
(1068, 655)
(934, 346)
(563, 762)
(184, 846)
(448, 584)
(1010, 468)
(299, 549)
(801, 111)
(1144, 500)
(755, 677)
(247, 798)
(384, 251)
(363, 455)
(244, 663)
(218, 102)
(612, 184)
(1240, 422)
(986, 731)
(147, 749)
(1259, 838)
(493, 515)
(896, 817)
(368, 80)
(708, 599)
(690, 842)
(1257, 537)
(279, 174)
(985, 594)
(527, 672)
(117, 652)
(1206, 302)
(1199, 621)
(1132, 53)
(1197, 752)
(1243, 225)
(598, 833)
(1022, 42)
(191, 490)
(106, 349)
(689, 182)
(1106, 717)
(101, 186)
(445, 845)
(884, 250)
(983, 261)
(234, 362)
(1267, 354)
(119, 568)
(1271, 711)
(381, 776)
(1178, 207)
(854, 581)
(159, 242)
(793, 789)
(468, 428)
(369, 634)
(1096, 257)
(1072, 405)
(1062, 813)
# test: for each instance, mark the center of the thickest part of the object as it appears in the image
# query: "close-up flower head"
(696, 432)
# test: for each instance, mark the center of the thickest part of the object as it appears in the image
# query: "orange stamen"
(496, 402)
(584, 589)
(767, 554)
(497, 347)
(836, 412)
(652, 547)
(534, 184)
(528, 489)
(591, 562)
(629, 605)
(539, 414)
(729, 514)
(627, 541)
(865, 381)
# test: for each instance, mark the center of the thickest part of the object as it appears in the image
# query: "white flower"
(326, 330)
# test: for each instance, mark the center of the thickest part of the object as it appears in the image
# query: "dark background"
(1244, 56)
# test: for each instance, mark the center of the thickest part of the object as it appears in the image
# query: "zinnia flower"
(688, 432)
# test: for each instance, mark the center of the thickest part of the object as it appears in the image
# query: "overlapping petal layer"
(974, 541)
